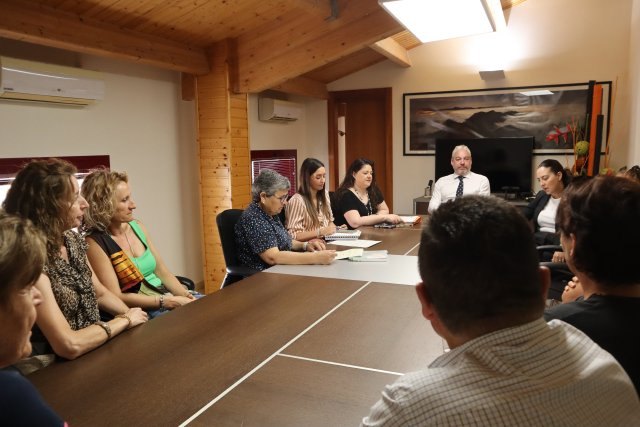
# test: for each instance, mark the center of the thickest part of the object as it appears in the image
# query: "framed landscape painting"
(554, 115)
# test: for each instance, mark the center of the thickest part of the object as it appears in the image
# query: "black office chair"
(560, 273)
(226, 222)
(186, 282)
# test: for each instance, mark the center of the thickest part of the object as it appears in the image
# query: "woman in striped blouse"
(308, 212)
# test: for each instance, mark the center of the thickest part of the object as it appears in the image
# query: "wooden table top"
(271, 350)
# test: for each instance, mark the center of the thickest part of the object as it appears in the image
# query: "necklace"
(133, 258)
(367, 204)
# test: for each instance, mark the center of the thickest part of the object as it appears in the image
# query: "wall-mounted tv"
(505, 161)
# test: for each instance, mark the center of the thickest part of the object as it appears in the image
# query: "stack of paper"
(370, 256)
(344, 235)
(414, 219)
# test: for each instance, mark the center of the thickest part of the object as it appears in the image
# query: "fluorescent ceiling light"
(537, 92)
(431, 20)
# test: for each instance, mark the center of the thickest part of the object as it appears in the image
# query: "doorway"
(360, 126)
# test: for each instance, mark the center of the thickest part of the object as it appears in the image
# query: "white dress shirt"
(445, 188)
(536, 374)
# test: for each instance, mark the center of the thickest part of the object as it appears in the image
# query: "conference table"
(290, 346)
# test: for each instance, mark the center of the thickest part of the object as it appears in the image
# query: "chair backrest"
(333, 201)
(226, 222)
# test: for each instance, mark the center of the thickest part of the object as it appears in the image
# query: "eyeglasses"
(282, 199)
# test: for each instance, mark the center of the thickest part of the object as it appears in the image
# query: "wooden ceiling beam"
(321, 8)
(393, 51)
(304, 86)
(49, 27)
(324, 44)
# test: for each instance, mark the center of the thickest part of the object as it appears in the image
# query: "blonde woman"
(121, 251)
(69, 323)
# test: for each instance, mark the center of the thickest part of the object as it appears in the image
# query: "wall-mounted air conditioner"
(36, 81)
(277, 110)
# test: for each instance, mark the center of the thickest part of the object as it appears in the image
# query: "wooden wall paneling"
(223, 146)
(49, 27)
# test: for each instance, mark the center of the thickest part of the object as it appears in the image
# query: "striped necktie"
(460, 186)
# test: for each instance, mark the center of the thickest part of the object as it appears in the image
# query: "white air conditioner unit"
(277, 110)
(36, 81)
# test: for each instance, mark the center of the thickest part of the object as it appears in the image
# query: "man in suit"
(462, 182)
(484, 293)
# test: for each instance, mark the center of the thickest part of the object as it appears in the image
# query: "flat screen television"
(505, 161)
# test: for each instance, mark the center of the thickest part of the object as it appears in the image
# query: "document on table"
(360, 243)
(349, 253)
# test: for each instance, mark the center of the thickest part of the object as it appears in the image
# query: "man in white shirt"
(484, 293)
(462, 182)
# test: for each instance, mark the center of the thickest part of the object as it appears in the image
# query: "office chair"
(226, 222)
(560, 273)
(186, 282)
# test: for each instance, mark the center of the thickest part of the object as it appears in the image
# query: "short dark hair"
(603, 215)
(479, 266)
(22, 254)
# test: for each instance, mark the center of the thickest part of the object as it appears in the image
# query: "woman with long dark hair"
(308, 212)
(359, 201)
(553, 179)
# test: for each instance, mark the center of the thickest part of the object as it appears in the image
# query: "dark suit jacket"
(532, 211)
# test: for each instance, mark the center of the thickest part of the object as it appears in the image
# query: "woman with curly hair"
(68, 324)
(120, 249)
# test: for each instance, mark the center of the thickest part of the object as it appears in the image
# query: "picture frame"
(550, 113)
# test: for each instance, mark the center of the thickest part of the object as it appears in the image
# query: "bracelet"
(161, 301)
(106, 327)
(125, 316)
(304, 246)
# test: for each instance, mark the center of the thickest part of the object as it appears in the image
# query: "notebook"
(344, 235)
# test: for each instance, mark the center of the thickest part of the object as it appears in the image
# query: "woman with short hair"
(261, 238)
(22, 256)
(69, 324)
(308, 212)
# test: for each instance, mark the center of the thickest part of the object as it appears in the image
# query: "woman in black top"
(541, 212)
(359, 201)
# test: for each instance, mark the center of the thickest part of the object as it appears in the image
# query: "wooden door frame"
(333, 110)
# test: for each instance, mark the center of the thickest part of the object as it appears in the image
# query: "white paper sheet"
(349, 253)
(360, 243)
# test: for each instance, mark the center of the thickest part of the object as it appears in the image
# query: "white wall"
(144, 127)
(308, 134)
(546, 42)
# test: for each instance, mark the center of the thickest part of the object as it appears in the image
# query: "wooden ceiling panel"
(283, 43)
(358, 60)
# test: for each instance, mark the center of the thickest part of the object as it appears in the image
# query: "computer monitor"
(505, 161)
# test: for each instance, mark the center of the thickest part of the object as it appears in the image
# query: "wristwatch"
(106, 327)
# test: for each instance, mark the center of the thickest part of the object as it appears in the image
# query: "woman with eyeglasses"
(261, 238)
